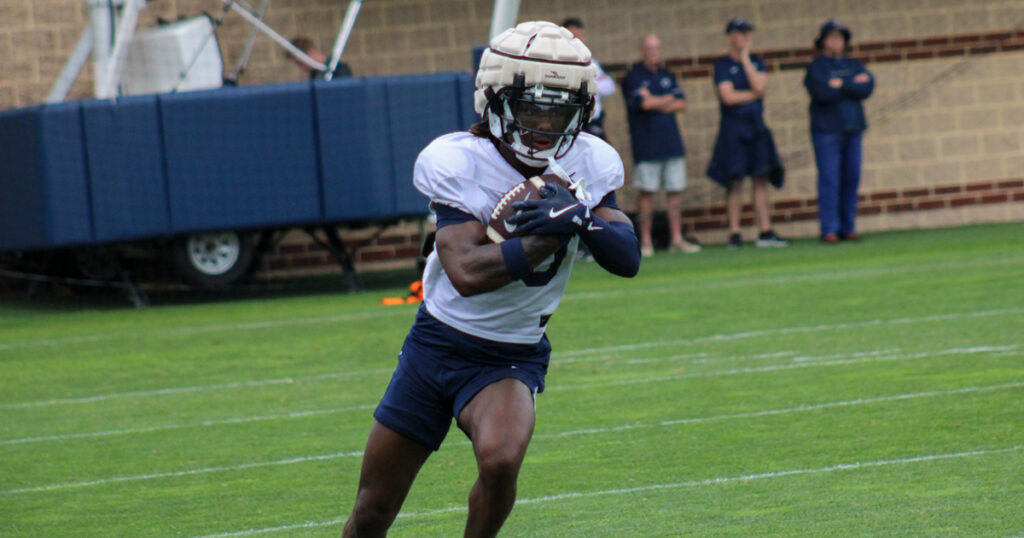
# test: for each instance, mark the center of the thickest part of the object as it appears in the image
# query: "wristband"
(515, 258)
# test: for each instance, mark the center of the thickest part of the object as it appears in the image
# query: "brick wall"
(947, 112)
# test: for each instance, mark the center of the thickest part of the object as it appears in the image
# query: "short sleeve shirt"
(727, 69)
(655, 135)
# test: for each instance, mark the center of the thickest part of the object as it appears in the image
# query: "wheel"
(212, 260)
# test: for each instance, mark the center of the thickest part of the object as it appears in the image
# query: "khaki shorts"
(649, 176)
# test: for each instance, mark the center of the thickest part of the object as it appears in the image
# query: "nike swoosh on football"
(511, 228)
(555, 214)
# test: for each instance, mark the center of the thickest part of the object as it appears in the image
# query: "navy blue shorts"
(439, 371)
(744, 150)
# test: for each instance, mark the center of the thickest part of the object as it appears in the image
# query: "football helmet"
(535, 89)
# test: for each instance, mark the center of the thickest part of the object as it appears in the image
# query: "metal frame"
(112, 27)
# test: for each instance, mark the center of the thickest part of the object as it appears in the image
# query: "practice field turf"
(872, 389)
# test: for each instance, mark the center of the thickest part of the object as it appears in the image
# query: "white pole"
(243, 59)
(346, 30)
(278, 38)
(505, 14)
(72, 68)
(103, 13)
(125, 33)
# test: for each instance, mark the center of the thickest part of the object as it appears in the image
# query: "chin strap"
(578, 187)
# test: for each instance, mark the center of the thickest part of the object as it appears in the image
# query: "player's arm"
(476, 265)
(730, 96)
(861, 83)
(677, 105)
(758, 79)
(821, 85)
(612, 241)
(606, 230)
(676, 101)
(657, 103)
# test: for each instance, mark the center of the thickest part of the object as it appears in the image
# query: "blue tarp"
(103, 171)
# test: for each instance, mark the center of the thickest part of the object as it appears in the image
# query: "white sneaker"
(684, 246)
(647, 251)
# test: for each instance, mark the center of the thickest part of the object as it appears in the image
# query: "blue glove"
(558, 212)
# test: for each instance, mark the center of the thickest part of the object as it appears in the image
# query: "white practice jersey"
(467, 173)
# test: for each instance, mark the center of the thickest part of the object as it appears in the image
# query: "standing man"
(745, 146)
(478, 350)
(837, 85)
(652, 100)
(605, 84)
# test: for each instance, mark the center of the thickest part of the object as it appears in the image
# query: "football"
(499, 229)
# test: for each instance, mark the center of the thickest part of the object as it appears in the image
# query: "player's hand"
(557, 212)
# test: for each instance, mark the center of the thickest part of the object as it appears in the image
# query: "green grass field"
(872, 389)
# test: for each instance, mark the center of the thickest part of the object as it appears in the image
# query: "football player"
(477, 351)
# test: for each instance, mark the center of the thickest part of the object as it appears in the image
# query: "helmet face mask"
(537, 122)
(535, 90)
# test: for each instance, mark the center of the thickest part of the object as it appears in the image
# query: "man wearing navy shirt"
(837, 86)
(745, 146)
(653, 97)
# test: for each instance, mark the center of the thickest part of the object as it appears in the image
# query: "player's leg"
(647, 179)
(675, 183)
(499, 420)
(734, 204)
(826, 155)
(761, 206)
(674, 207)
(849, 184)
(390, 464)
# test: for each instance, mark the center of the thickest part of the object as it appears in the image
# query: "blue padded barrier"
(273, 156)
(124, 144)
(21, 220)
(420, 108)
(241, 158)
(44, 197)
(355, 152)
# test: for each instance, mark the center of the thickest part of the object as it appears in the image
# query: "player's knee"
(499, 466)
(374, 512)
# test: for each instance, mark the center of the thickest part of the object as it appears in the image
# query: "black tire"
(212, 260)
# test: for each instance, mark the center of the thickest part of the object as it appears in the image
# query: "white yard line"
(201, 424)
(651, 487)
(794, 330)
(196, 388)
(555, 360)
(209, 328)
(782, 367)
(739, 281)
(782, 411)
(189, 472)
(746, 280)
(802, 362)
(612, 429)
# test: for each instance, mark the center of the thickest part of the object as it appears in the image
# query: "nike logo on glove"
(555, 214)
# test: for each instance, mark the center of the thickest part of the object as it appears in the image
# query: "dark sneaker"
(735, 242)
(771, 239)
